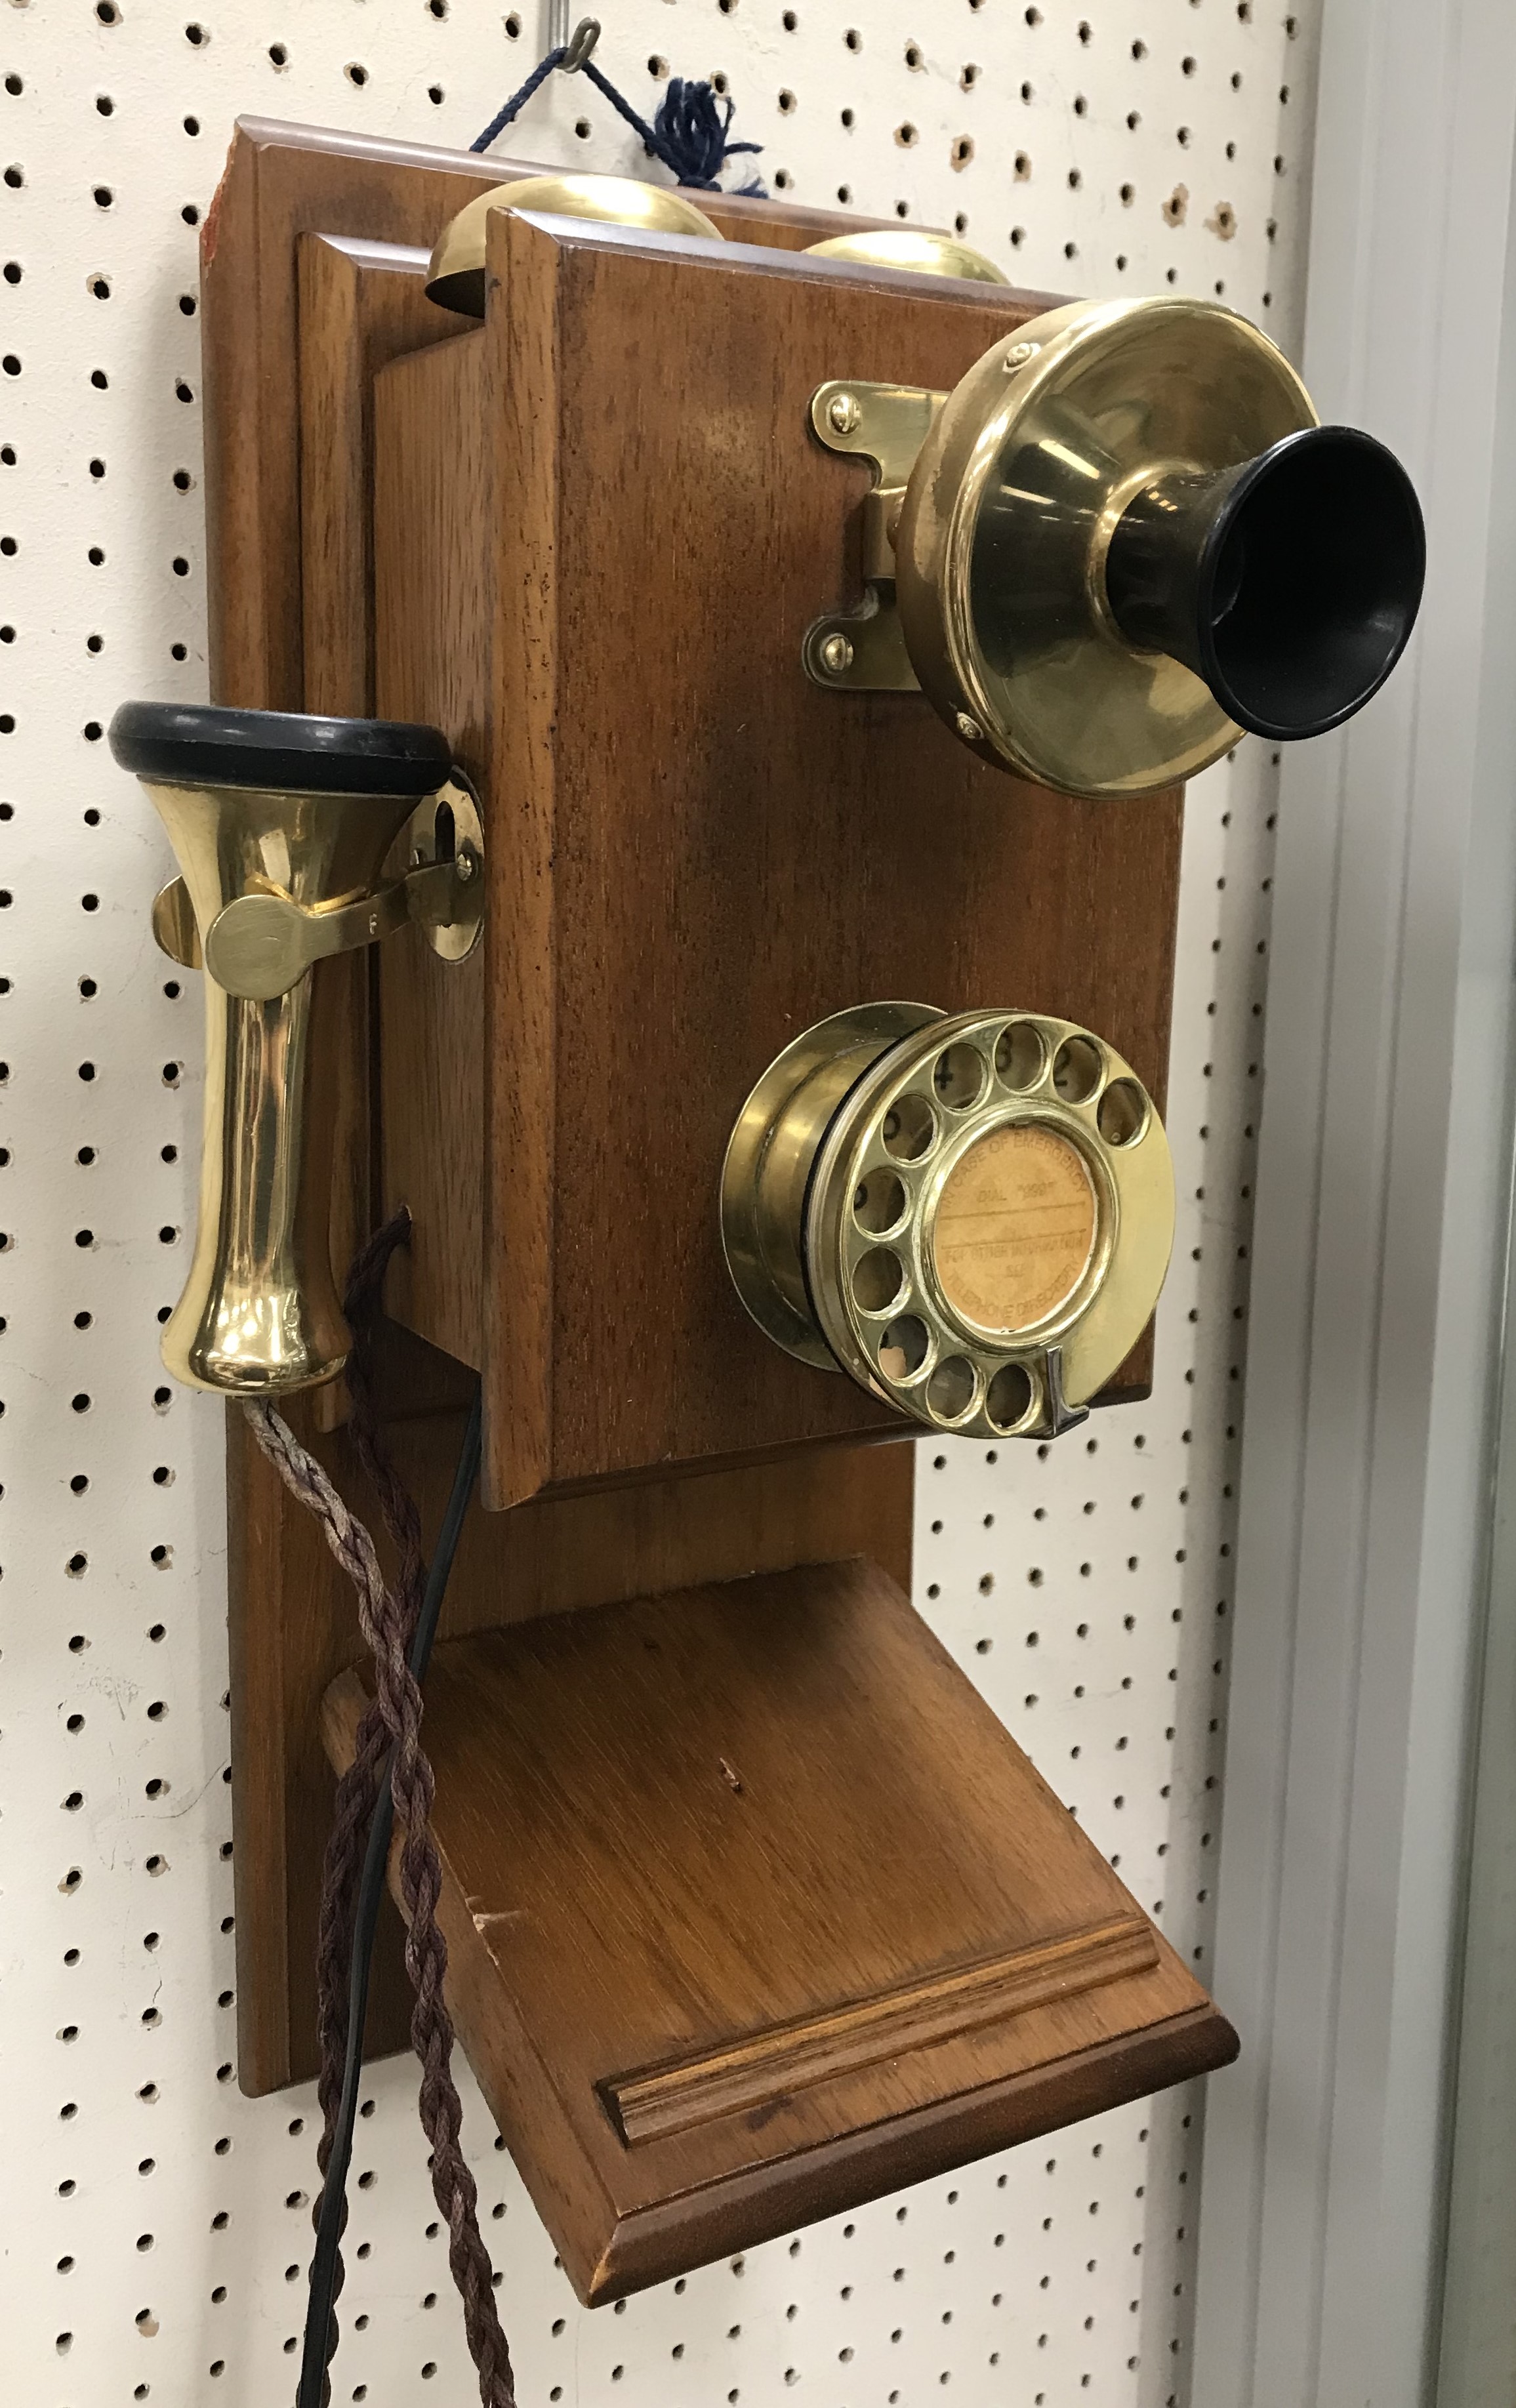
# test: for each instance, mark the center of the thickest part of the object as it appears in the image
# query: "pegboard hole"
(355, 72)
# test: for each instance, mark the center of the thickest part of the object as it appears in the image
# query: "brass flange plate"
(989, 1222)
(885, 424)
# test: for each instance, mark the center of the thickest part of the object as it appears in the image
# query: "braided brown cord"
(387, 1618)
(358, 1789)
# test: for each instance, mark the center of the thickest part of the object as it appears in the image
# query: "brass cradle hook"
(281, 824)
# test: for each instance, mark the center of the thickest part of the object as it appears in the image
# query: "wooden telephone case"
(753, 1909)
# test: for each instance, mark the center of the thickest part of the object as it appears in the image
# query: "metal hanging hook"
(579, 45)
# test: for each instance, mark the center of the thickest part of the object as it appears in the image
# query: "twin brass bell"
(280, 824)
(971, 1216)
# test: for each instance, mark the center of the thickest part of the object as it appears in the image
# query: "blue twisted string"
(517, 100)
(689, 133)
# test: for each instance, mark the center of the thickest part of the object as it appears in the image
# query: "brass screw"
(969, 729)
(466, 864)
(837, 656)
(1019, 354)
(843, 413)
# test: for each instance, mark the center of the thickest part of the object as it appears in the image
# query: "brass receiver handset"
(280, 824)
(1121, 540)
(971, 1216)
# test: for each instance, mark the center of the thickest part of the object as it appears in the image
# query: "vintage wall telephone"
(666, 597)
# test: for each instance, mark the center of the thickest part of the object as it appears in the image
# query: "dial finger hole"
(960, 1077)
(1019, 1055)
(950, 1389)
(1076, 1069)
(908, 1127)
(902, 1347)
(1123, 1114)
(1009, 1399)
(878, 1202)
(877, 1278)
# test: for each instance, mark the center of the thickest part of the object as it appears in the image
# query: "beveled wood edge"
(766, 259)
(366, 252)
(757, 2203)
(753, 2203)
(768, 2065)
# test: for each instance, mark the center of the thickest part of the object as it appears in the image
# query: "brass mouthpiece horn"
(287, 819)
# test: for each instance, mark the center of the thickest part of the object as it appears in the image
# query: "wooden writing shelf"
(755, 1909)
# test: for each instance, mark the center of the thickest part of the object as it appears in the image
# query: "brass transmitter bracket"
(260, 945)
(885, 424)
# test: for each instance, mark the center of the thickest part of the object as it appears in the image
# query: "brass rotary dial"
(971, 1216)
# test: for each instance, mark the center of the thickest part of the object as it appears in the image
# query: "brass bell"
(455, 273)
(920, 251)
(280, 824)
(972, 1216)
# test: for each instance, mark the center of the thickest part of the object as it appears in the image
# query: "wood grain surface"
(900, 1869)
(702, 853)
(753, 1907)
(312, 264)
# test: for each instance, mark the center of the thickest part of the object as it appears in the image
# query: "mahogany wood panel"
(754, 1908)
(694, 853)
(360, 304)
(281, 181)
(294, 1628)
(311, 272)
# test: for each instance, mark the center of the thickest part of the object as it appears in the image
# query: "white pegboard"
(155, 2222)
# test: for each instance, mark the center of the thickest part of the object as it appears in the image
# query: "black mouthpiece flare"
(1289, 584)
